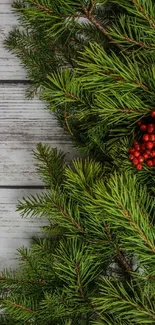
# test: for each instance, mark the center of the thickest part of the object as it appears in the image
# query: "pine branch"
(144, 13)
(21, 307)
(22, 281)
(51, 12)
(123, 306)
(99, 26)
(81, 290)
(50, 164)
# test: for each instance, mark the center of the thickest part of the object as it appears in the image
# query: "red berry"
(148, 152)
(149, 163)
(143, 127)
(135, 143)
(135, 161)
(152, 137)
(139, 166)
(149, 145)
(139, 122)
(140, 159)
(150, 128)
(137, 153)
(153, 161)
(132, 150)
(145, 155)
(137, 147)
(131, 157)
(146, 137)
(143, 147)
(153, 114)
(153, 153)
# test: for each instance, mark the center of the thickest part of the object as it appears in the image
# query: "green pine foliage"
(93, 61)
(95, 263)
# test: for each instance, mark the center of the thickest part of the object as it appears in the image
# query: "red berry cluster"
(144, 151)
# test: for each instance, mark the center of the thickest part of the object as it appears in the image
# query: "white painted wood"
(24, 123)
(10, 68)
(15, 231)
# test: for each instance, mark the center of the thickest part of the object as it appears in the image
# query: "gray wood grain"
(24, 123)
(10, 69)
(14, 230)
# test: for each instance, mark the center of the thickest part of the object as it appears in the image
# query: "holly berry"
(142, 147)
(137, 153)
(143, 127)
(131, 157)
(149, 163)
(139, 122)
(148, 152)
(140, 159)
(135, 161)
(153, 114)
(145, 155)
(153, 153)
(149, 145)
(150, 128)
(145, 149)
(139, 166)
(146, 137)
(137, 147)
(131, 150)
(135, 143)
(152, 137)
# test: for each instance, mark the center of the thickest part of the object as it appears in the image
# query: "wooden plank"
(24, 123)
(15, 231)
(10, 67)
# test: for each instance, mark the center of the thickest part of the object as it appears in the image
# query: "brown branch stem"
(144, 13)
(51, 12)
(21, 307)
(123, 262)
(66, 117)
(92, 7)
(99, 26)
(77, 270)
(67, 215)
(131, 40)
(120, 257)
(138, 230)
(22, 281)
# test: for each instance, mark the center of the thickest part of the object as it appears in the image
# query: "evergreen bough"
(95, 263)
(93, 63)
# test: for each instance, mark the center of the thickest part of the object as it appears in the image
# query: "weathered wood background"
(23, 123)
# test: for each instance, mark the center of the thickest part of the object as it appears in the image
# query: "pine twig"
(51, 12)
(120, 258)
(141, 10)
(139, 232)
(131, 40)
(77, 270)
(99, 26)
(66, 117)
(69, 217)
(124, 264)
(21, 307)
(92, 7)
(22, 281)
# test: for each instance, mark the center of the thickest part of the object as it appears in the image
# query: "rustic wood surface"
(23, 123)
